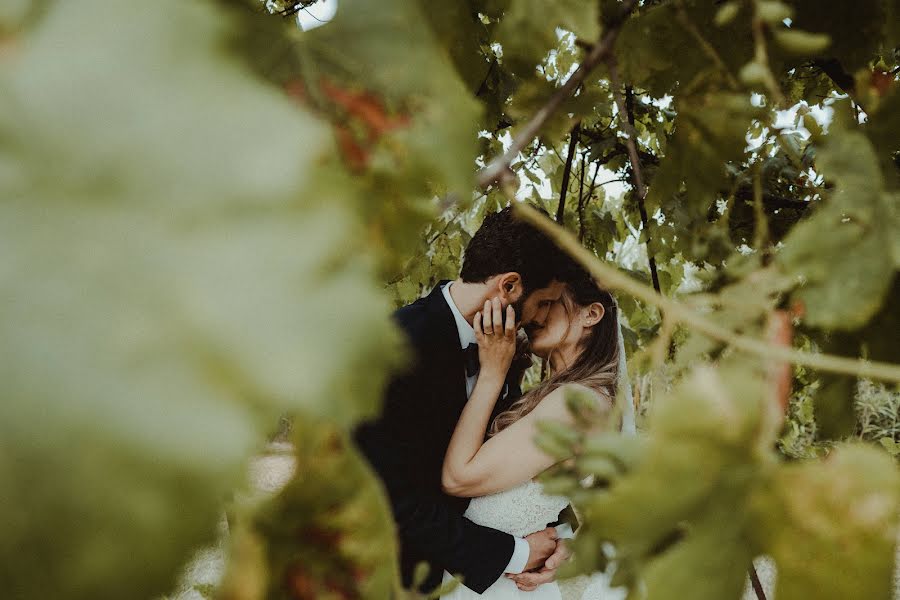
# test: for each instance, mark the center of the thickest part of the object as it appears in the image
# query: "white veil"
(624, 397)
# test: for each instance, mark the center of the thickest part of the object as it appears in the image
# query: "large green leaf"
(388, 47)
(710, 132)
(329, 532)
(166, 288)
(658, 52)
(458, 29)
(528, 29)
(832, 525)
(686, 495)
(883, 129)
(845, 253)
(855, 28)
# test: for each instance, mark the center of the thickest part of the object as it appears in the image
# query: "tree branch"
(647, 158)
(500, 165)
(614, 279)
(581, 196)
(567, 171)
(761, 54)
(627, 123)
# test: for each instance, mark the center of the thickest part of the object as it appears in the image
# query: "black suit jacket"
(406, 444)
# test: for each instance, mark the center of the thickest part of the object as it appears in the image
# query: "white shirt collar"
(463, 328)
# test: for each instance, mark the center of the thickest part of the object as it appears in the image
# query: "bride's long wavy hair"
(597, 366)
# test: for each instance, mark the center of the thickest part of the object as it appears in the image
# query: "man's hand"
(541, 546)
(529, 581)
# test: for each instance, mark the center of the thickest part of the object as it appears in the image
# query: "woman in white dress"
(581, 340)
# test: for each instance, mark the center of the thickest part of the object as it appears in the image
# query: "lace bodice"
(518, 511)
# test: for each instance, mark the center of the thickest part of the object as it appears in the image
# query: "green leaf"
(558, 431)
(461, 33)
(834, 400)
(334, 506)
(855, 28)
(167, 292)
(717, 542)
(710, 132)
(367, 46)
(727, 12)
(883, 130)
(753, 74)
(772, 11)
(527, 31)
(552, 445)
(802, 43)
(657, 52)
(837, 516)
(702, 440)
(890, 445)
(839, 253)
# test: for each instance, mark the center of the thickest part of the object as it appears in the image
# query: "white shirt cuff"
(519, 558)
(564, 531)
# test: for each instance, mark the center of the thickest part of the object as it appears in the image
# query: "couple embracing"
(454, 446)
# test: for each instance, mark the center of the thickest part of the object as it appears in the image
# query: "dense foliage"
(207, 215)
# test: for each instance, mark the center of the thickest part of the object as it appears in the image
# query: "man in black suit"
(509, 259)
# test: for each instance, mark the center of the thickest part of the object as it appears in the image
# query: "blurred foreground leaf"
(166, 291)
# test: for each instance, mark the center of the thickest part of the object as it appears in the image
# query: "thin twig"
(757, 586)
(761, 54)
(500, 165)
(626, 120)
(567, 172)
(681, 313)
(581, 196)
(761, 232)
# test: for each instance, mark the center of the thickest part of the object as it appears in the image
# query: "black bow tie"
(473, 365)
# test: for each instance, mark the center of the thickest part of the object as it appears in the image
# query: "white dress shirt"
(467, 336)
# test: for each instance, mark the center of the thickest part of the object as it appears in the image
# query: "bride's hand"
(496, 341)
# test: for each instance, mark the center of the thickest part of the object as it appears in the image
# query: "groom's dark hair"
(506, 243)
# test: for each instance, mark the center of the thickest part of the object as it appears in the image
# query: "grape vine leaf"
(527, 30)
(846, 253)
(329, 530)
(709, 132)
(855, 29)
(389, 47)
(838, 515)
(167, 289)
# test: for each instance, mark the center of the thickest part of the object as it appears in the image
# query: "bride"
(581, 341)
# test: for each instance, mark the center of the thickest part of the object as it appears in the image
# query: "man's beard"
(518, 305)
(530, 327)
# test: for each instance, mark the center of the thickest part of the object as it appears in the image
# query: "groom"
(508, 259)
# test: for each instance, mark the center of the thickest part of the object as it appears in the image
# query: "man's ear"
(509, 287)
(594, 314)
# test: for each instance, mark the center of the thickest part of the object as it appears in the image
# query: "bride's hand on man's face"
(496, 339)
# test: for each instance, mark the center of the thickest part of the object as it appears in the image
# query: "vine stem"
(499, 167)
(761, 54)
(627, 124)
(581, 196)
(761, 234)
(573, 143)
(681, 313)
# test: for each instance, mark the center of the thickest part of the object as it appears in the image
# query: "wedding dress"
(520, 511)
(526, 508)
